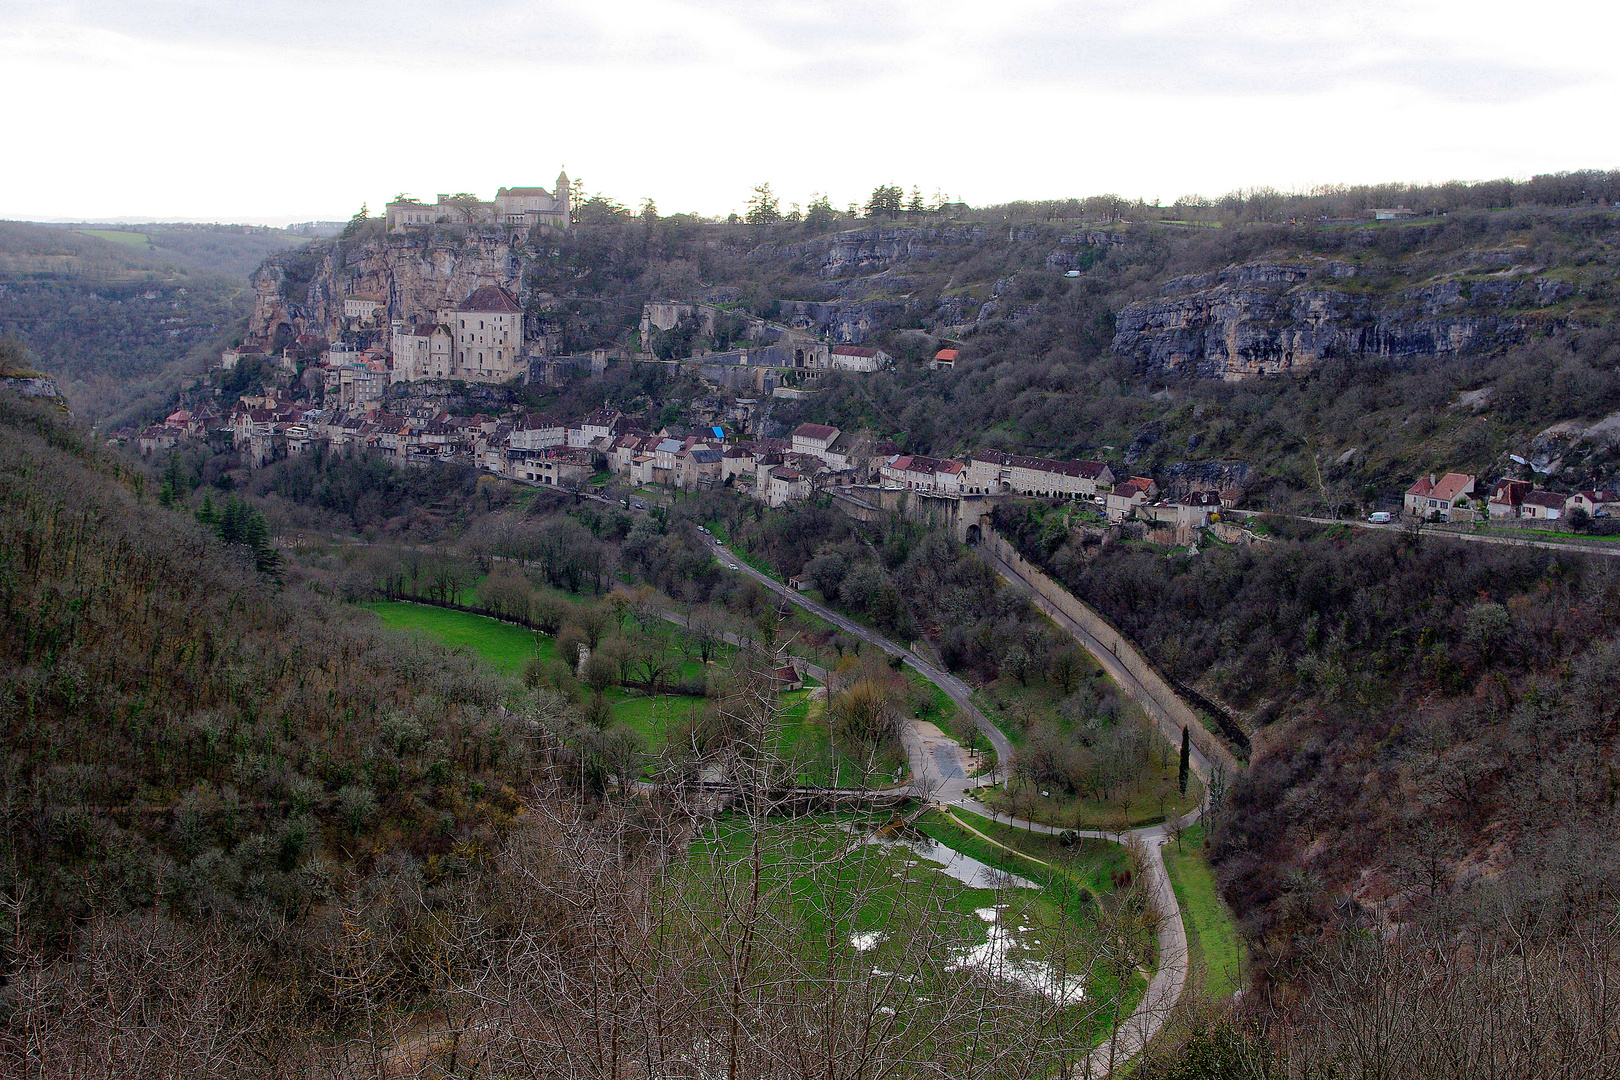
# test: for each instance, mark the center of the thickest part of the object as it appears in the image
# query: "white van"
(1379, 517)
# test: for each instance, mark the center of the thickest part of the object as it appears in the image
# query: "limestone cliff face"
(301, 292)
(879, 247)
(36, 386)
(1271, 318)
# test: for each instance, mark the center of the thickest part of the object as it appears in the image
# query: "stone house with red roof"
(1598, 502)
(1444, 498)
(1122, 501)
(1543, 506)
(813, 439)
(1506, 498)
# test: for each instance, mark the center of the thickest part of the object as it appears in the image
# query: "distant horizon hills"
(128, 221)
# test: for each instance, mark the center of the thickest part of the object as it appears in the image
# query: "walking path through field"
(942, 777)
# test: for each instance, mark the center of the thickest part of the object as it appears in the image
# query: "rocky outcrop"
(1273, 318)
(877, 247)
(301, 293)
(35, 386)
(1080, 250)
(841, 321)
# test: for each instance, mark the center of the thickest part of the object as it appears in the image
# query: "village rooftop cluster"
(1459, 497)
(734, 444)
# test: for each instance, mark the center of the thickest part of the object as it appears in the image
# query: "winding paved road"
(1610, 549)
(942, 776)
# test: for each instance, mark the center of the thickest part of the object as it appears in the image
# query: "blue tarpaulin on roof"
(718, 433)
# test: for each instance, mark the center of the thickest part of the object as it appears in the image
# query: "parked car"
(1379, 517)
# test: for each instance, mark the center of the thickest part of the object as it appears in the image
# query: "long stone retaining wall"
(1158, 698)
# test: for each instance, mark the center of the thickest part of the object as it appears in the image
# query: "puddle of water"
(966, 869)
(995, 957)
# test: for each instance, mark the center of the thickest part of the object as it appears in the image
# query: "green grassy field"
(505, 647)
(833, 890)
(1090, 862)
(118, 236)
(1213, 938)
(1072, 879)
(653, 717)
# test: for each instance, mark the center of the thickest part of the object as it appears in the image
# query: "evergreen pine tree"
(1186, 760)
(206, 514)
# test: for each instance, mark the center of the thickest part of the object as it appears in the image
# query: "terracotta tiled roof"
(489, 298)
(1452, 485)
(1548, 499)
(815, 431)
(1090, 470)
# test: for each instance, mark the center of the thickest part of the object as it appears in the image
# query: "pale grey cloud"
(824, 28)
(1254, 48)
(563, 30)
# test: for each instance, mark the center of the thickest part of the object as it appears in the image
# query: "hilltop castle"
(518, 206)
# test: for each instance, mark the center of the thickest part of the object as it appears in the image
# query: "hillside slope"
(182, 734)
(117, 319)
(1433, 723)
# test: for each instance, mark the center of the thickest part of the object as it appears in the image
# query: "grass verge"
(1213, 940)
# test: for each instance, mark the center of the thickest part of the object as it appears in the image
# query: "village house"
(599, 426)
(157, 437)
(814, 439)
(624, 450)
(664, 454)
(1121, 502)
(1598, 503)
(915, 472)
(700, 468)
(1506, 498)
(537, 432)
(737, 461)
(1543, 505)
(786, 485)
(489, 448)
(943, 360)
(1445, 498)
(556, 466)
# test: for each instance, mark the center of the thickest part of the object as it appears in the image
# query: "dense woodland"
(1435, 739)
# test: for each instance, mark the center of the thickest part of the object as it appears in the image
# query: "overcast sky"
(292, 110)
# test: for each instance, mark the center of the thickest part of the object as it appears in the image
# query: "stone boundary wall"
(1162, 703)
